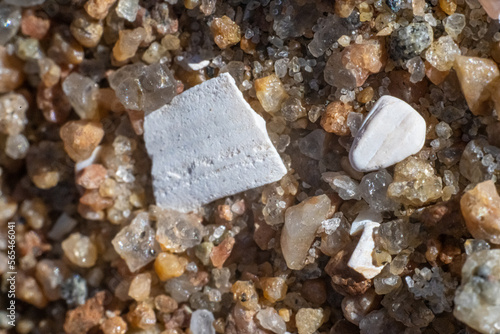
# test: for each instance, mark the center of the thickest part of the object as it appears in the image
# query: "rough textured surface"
(415, 183)
(135, 243)
(481, 209)
(83, 318)
(224, 161)
(391, 132)
(361, 259)
(477, 302)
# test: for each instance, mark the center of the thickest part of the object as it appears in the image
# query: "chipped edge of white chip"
(361, 259)
(377, 107)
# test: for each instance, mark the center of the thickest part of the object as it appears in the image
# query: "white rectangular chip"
(206, 144)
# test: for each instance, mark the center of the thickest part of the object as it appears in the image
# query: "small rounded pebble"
(80, 250)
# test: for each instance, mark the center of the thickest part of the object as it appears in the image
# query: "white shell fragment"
(206, 144)
(361, 259)
(391, 132)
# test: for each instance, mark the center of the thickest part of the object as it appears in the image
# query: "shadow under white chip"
(206, 144)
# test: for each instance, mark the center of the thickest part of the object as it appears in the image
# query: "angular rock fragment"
(269, 319)
(301, 223)
(270, 92)
(481, 209)
(143, 87)
(308, 320)
(207, 144)
(226, 32)
(391, 132)
(477, 301)
(415, 183)
(442, 53)
(176, 231)
(361, 259)
(201, 322)
(135, 243)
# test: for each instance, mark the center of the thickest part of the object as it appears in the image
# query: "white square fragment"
(206, 144)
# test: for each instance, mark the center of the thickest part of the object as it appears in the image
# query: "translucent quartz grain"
(114, 325)
(128, 43)
(308, 320)
(334, 119)
(226, 32)
(176, 231)
(86, 30)
(477, 300)
(10, 20)
(480, 208)
(492, 8)
(135, 243)
(415, 183)
(169, 266)
(143, 87)
(373, 188)
(442, 53)
(80, 250)
(274, 288)
(201, 322)
(13, 109)
(364, 59)
(270, 319)
(16, 146)
(82, 94)
(140, 287)
(127, 9)
(270, 92)
(356, 308)
(98, 9)
(299, 231)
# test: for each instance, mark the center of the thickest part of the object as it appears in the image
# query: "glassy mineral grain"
(475, 74)
(477, 301)
(143, 87)
(481, 210)
(301, 223)
(415, 183)
(135, 243)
